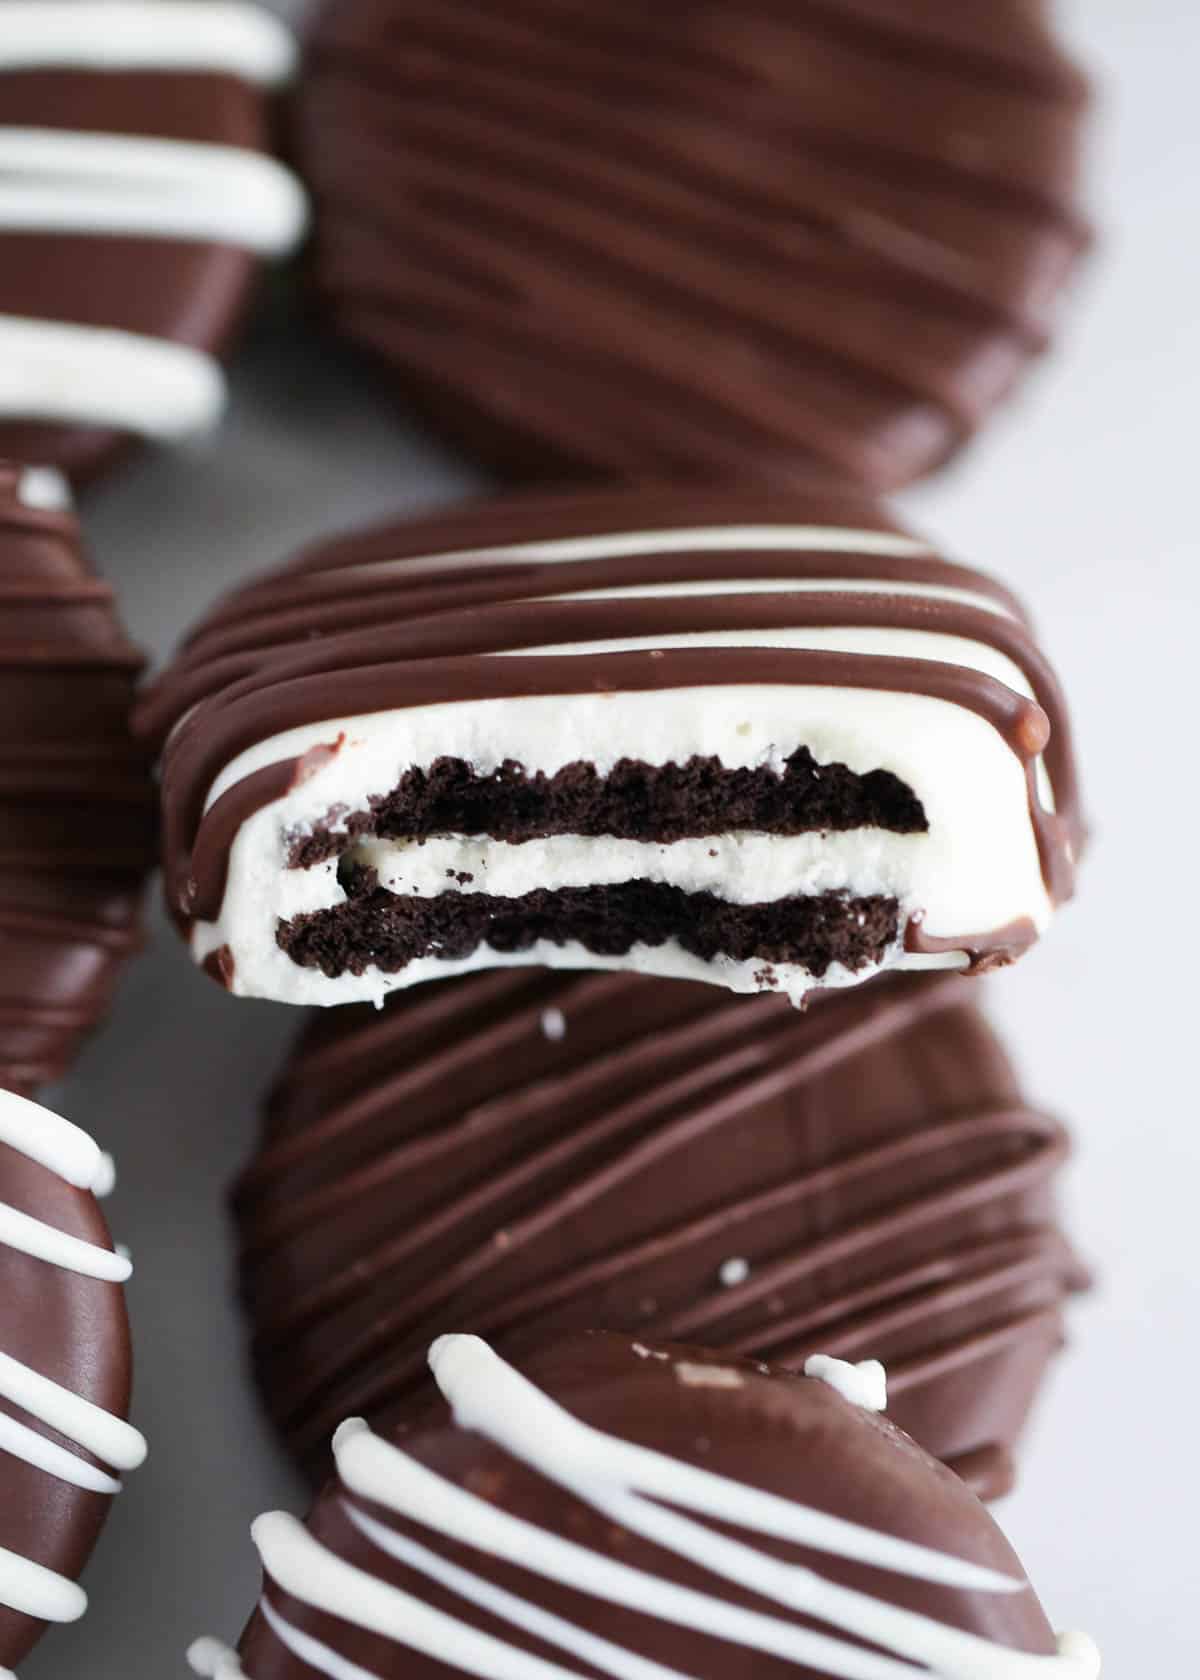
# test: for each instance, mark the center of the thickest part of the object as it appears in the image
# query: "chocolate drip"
(522, 1151)
(731, 242)
(77, 807)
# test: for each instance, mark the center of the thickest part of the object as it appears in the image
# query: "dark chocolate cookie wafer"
(719, 238)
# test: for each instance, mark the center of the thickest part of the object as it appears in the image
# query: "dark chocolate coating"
(190, 292)
(73, 1330)
(789, 1435)
(524, 1151)
(377, 621)
(713, 240)
(77, 807)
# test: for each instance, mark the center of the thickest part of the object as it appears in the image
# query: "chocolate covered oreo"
(137, 201)
(608, 1507)
(726, 241)
(77, 805)
(773, 742)
(64, 1370)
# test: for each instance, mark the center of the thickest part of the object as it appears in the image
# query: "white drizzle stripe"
(43, 1242)
(705, 1613)
(787, 586)
(211, 1659)
(44, 487)
(108, 1437)
(308, 1571)
(627, 1482)
(201, 35)
(530, 1426)
(54, 181)
(96, 376)
(701, 539)
(43, 1454)
(32, 1590)
(51, 1141)
(310, 1650)
(554, 1630)
(68, 1152)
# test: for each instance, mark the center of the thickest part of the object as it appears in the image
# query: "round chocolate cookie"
(769, 740)
(136, 204)
(64, 1370)
(77, 805)
(528, 1152)
(730, 239)
(604, 1507)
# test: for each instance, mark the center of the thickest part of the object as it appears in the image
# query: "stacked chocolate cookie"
(136, 200)
(673, 810)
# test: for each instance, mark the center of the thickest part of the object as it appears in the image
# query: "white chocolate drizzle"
(54, 181)
(224, 36)
(63, 1149)
(57, 371)
(864, 1384)
(643, 1491)
(116, 185)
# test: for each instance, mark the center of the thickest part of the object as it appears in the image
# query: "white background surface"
(1085, 497)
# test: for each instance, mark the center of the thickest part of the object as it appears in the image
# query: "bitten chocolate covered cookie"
(64, 1370)
(770, 741)
(641, 1510)
(136, 204)
(77, 805)
(721, 238)
(528, 1152)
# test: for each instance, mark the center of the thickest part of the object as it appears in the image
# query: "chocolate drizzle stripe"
(427, 1307)
(934, 1227)
(875, 229)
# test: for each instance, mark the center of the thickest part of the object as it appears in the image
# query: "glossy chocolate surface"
(730, 241)
(77, 808)
(519, 1152)
(73, 1330)
(752, 1425)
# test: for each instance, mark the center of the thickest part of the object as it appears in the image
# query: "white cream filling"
(976, 869)
(741, 868)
